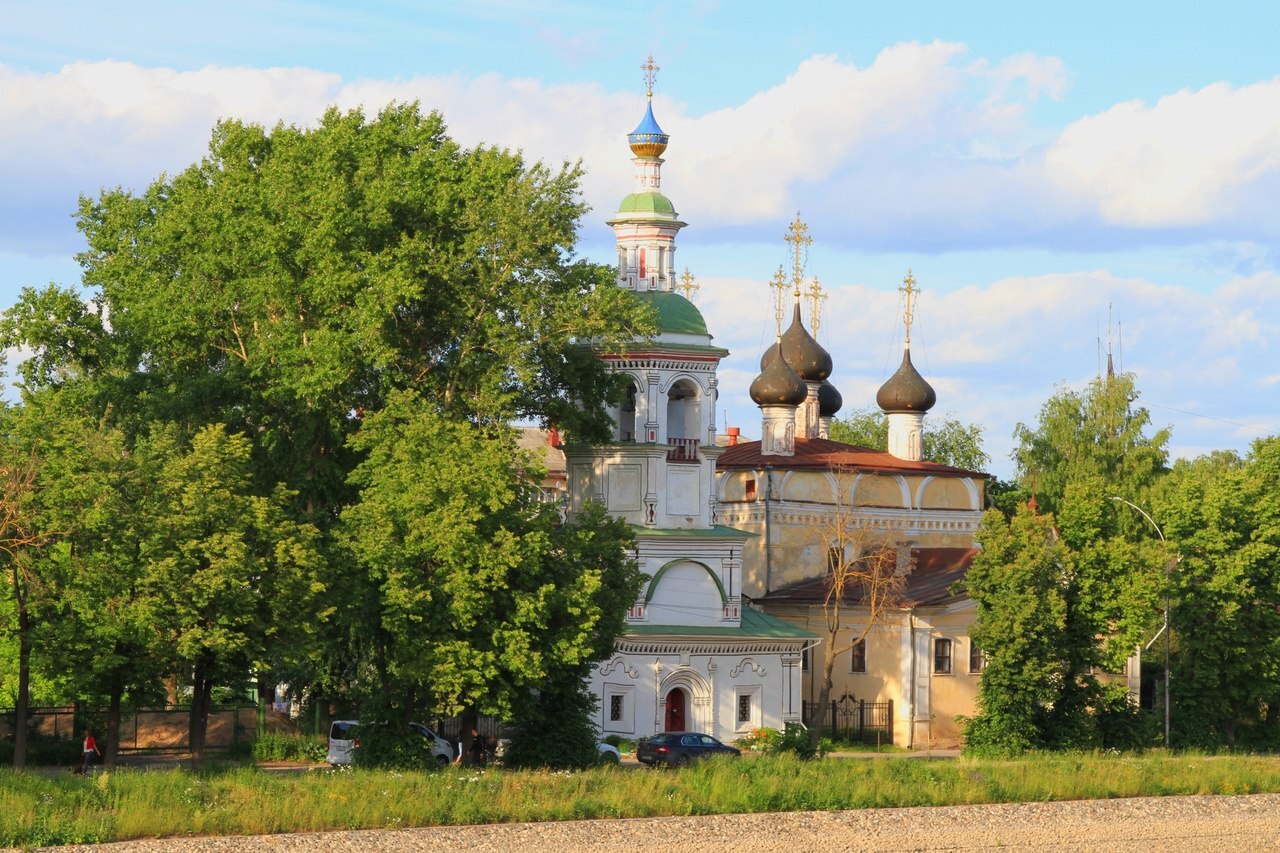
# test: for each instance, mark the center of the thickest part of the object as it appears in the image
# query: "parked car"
(605, 753)
(676, 749)
(344, 737)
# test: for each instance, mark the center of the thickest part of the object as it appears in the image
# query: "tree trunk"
(24, 674)
(824, 697)
(198, 722)
(111, 749)
(470, 719)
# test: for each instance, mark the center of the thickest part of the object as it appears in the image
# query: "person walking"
(90, 750)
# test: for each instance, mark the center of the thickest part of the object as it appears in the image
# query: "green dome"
(675, 314)
(652, 202)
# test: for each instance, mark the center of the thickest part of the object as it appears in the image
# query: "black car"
(676, 749)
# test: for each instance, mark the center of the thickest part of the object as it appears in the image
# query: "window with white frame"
(942, 656)
(618, 708)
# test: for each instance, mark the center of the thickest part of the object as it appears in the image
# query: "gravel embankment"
(1216, 824)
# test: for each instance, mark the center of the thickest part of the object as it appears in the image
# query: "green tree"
(481, 599)
(1097, 432)
(295, 280)
(1224, 515)
(228, 575)
(946, 441)
(1022, 581)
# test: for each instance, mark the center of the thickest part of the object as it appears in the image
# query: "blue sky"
(1038, 169)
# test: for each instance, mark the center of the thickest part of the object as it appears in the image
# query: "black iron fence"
(851, 719)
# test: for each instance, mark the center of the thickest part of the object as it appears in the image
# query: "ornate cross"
(688, 284)
(650, 75)
(910, 290)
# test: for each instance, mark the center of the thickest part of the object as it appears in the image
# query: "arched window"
(684, 421)
(627, 415)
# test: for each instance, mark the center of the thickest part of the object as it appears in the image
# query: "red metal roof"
(823, 453)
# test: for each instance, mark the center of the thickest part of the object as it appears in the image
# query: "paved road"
(1218, 824)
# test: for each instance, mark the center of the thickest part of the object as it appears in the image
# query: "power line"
(1206, 417)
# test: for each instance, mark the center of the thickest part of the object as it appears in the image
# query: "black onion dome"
(778, 385)
(805, 355)
(769, 355)
(829, 400)
(906, 390)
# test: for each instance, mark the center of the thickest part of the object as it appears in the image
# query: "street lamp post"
(1164, 629)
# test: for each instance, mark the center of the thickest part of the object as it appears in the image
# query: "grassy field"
(39, 810)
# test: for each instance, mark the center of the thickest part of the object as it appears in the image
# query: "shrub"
(282, 746)
(763, 739)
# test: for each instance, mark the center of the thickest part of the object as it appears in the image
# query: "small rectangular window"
(744, 707)
(942, 656)
(615, 708)
(977, 659)
(835, 556)
(858, 657)
(751, 489)
(804, 659)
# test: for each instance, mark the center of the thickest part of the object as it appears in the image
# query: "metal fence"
(852, 719)
(149, 730)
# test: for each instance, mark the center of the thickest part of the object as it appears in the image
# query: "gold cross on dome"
(798, 236)
(909, 291)
(816, 298)
(779, 286)
(688, 284)
(650, 75)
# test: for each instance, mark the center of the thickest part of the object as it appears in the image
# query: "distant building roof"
(536, 439)
(824, 453)
(934, 571)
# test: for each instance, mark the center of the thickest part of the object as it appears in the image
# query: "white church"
(694, 656)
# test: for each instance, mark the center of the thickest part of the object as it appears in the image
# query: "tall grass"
(38, 810)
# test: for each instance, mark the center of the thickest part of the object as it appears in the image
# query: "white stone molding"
(747, 663)
(619, 663)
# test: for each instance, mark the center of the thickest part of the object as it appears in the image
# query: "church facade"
(695, 654)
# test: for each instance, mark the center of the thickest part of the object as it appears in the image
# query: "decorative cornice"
(880, 518)
(637, 646)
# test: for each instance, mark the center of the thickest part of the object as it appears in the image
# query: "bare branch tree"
(863, 575)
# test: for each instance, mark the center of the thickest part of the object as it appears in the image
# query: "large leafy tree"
(227, 573)
(1096, 433)
(482, 600)
(1223, 512)
(289, 286)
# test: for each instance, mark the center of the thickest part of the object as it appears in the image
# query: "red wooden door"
(675, 710)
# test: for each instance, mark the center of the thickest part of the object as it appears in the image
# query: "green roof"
(717, 531)
(650, 202)
(674, 313)
(754, 625)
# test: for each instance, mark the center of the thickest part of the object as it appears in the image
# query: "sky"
(1060, 181)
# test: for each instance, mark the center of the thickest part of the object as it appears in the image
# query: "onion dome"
(778, 385)
(906, 390)
(769, 355)
(829, 400)
(648, 140)
(805, 355)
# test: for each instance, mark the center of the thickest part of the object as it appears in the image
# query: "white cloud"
(1193, 158)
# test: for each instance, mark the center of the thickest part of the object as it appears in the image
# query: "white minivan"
(344, 737)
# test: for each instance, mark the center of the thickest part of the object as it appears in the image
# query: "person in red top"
(90, 750)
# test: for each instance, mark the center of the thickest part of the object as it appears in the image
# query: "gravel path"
(1216, 824)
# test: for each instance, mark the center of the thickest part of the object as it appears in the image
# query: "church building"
(695, 655)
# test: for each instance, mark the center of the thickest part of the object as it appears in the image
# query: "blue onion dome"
(829, 400)
(778, 385)
(906, 390)
(648, 140)
(805, 355)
